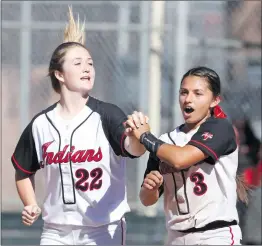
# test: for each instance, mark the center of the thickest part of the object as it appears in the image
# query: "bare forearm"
(171, 155)
(148, 197)
(175, 156)
(180, 157)
(134, 147)
(25, 189)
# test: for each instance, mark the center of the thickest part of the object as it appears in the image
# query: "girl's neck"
(192, 126)
(71, 104)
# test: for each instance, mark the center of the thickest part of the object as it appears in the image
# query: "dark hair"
(213, 81)
(57, 61)
(210, 75)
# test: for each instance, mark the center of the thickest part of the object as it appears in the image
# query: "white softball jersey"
(82, 161)
(205, 193)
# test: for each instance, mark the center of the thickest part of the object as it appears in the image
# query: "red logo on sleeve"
(207, 135)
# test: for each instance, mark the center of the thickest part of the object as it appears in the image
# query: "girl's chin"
(190, 121)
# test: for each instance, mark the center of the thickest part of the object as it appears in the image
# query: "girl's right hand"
(30, 214)
(153, 180)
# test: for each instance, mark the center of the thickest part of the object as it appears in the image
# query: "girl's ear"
(215, 102)
(59, 76)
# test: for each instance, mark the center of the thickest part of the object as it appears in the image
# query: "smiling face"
(78, 73)
(196, 99)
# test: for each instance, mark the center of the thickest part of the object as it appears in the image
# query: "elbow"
(179, 167)
(177, 163)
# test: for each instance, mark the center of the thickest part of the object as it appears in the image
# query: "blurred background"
(140, 49)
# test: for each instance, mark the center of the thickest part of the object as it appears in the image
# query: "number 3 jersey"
(205, 192)
(83, 163)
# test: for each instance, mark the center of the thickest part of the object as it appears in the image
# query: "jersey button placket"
(66, 168)
(67, 137)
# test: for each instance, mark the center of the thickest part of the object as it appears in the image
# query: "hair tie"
(219, 113)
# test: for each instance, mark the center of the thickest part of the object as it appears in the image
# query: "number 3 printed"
(83, 175)
(200, 186)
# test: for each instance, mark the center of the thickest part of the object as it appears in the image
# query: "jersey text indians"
(64, 156)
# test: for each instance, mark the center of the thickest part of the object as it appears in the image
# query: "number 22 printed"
(83, 176)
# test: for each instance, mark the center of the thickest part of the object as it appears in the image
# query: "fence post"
(25, 62)
(180, 39)
(143, 88)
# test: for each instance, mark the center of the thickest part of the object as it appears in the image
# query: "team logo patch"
(207, 135)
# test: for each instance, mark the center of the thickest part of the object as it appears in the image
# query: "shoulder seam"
(42, 112)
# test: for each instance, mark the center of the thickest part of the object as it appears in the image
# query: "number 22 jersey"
(82, 161)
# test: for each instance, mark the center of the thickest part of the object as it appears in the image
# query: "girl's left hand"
(137, 124)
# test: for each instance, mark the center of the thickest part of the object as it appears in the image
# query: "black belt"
(211, 226)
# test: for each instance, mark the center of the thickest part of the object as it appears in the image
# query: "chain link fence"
(225, 36)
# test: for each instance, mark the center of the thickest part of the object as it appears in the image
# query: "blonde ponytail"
(74, 36)
(73, 31)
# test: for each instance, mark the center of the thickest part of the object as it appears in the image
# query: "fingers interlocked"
(136, 120)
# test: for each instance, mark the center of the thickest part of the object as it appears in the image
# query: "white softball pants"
(112, 234)
(230, 235)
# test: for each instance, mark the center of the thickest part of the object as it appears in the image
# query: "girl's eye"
(78, 63)
(182, 93)
(91, 64)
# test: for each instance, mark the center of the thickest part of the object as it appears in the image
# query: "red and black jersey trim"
(207, 150)
(125, 153)
(215, 137)
(24, 158)
(15, 163)
(112, 118)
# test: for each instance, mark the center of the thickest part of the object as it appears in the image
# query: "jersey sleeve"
(215, 137)
(24, 158)
(115, 119)
(153, 165)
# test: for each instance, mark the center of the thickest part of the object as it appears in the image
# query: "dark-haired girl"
(195, 167)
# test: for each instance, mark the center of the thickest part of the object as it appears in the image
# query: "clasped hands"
(136, 124)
